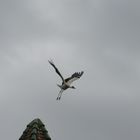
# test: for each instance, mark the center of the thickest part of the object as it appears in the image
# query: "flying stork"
(66, 83)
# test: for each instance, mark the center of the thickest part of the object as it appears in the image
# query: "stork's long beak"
(73, 87)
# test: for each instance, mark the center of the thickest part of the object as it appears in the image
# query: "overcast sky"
(100, 37)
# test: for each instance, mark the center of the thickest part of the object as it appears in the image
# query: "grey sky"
(100, 37)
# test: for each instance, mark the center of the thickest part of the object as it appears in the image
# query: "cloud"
(99, 37)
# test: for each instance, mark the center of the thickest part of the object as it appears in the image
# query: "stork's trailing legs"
(59, 95)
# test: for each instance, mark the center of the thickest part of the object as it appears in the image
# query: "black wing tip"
(50, 61)
(78, 74)
(82, 72)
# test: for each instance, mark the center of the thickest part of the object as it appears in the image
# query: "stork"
(66, 83)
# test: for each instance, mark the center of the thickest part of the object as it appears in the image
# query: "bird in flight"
(66, 83)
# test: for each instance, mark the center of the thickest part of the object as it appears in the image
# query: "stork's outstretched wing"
(74, 77)
(57, 71)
